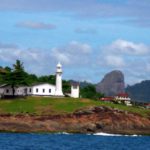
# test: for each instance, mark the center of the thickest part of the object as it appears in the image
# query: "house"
(123, 98)
(120, 98)
(6, 90)
(41, 89)
(147, 105)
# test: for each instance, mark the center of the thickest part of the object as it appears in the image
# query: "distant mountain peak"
(139, 91)
(112, 83)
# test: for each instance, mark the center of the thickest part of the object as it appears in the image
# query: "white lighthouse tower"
(58, 91)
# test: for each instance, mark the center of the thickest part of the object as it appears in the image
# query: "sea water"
(101, 141)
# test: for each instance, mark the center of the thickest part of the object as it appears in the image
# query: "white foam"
(100, 134)
(134, 135)
(108, 134)
(63, 133)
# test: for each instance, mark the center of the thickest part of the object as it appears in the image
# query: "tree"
(32, 78)
(7, 69)
(17, 76)
(90, 92)
(49, 79)
(18, 66)
(66, 86)
(3, 73)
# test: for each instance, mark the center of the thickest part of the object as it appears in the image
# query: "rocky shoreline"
(90, 120)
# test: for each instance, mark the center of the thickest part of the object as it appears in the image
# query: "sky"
(89, 37)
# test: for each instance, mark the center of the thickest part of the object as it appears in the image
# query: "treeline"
(17, 76)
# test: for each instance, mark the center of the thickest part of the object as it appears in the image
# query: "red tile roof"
(123, 95)
(147, 104)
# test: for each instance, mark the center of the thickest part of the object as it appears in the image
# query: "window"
(37, 90)
(30, 90)
(7, 90)
(49, 90)
(43, 90)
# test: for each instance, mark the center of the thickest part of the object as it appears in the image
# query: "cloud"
(114, 61)
(75, 46)
(82, 60)
(133, 11)
(85, 7)
(126, 47)
(72, 53)
(61, 56)
(130, 57)
(3, 46)
(39, 60)
(35, 60)
(36, 25)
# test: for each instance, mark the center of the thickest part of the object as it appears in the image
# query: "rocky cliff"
(112, 83)
(89, 120)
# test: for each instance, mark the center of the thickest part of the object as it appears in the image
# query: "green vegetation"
(43, 105)
(133, 109)
(50, 106)
(17, 75)
(90, 92)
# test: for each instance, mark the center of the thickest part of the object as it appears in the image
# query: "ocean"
(101, 141)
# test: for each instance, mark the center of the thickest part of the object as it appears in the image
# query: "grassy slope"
(45, 105)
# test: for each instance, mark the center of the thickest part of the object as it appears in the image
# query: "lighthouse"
(58, 91)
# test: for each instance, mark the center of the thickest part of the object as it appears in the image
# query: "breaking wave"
(108, 134)
(100, 134)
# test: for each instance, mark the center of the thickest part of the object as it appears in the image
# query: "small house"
(7, 90)
(147, 105)
(123, 98)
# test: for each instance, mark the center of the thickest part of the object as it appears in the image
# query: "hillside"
(140, 91)
(53, 106)
(41, 114)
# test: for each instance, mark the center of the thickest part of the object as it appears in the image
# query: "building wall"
(1, 91)
(75, 91)
(42, 89)
(8, 91)
(123, 98)
(22, 91)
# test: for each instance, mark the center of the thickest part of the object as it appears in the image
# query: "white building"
(58, 90)
(123, 97)
(6, 90)
(43, 89)
(75, 90)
